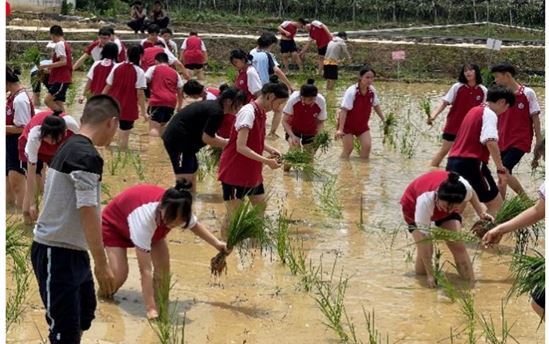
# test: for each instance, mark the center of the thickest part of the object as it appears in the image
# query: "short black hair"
(342, 34)
(240, 54)
(160, 44)
(12, 75)
(309, 89)
(161, 57)
(134, 54)
(100, 108)
(266, 39)
(166, 30)
(303, 21)
(110, 51)
(153, 28)
(365, 70)
(275, 87)
(193, 88)
(193, 33)
(56, 30)
(504, 68)
(105, 31)
(497, 92)
(475, 67)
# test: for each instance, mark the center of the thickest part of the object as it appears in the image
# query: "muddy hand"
(105, 278)
(491, 237)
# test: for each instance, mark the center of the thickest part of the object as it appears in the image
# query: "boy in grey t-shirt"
(335, 53)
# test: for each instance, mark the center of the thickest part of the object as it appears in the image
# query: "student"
(304, 116)
(242, 160)
(99, 71)
(105, 35)
(37, 145)
(247, 79)
(194, 127)
(518, 125)
(439, 197)
(60, 71)
(166, 35)
(159, 15)
(149, 58)
(334, 55)
(319, 33)
(138, 15)
(19, 110)
(477, 141)
(142, 217)
(38, 78)
(288, 48)
(132, 99)
(465, 94)
(70, 224)
(166, 88)
(153, 32)
(195, 90)
(194, 55)
(354, 114)
(266, 65)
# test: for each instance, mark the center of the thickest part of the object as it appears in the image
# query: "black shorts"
(287, 46)
(477, 174)
(305, 139)
(66, 288)
(12, 154)
(147, 92)
(330, 72)
(161, 114)
(511, 157)
(58, 91)
(232, 192)
(539, 298)
(453, 216)
(125, 125)
(322, 51)
(182, 162)
(193, 66)
(448, 137)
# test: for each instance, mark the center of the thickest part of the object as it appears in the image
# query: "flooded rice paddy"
(260, 301)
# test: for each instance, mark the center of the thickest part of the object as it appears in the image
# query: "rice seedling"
(389, 126)
(138, 166)
(301, 161)
(208, 161)
(329, 201)
(71, 94)
(374, 336)
(425, 105)
(408, 139)
(529, 274)
(247, 222)
(361, 210)
(322, 142)
(16, 252)
(356, 145)
(441, 235)
(490, 332)
(230, 74)
(510, 208)
(106, 190)
(118, 161)
(281, 236)
(168, 327)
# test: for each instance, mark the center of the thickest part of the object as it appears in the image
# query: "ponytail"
(12, 75)
(240, 54)
(236, 96)
(280, 90)
(452, 190)
(309, 89)
(177, 202)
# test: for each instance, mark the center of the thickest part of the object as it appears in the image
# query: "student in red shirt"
(477, 141)
(195, 90)
(166, 88)
(288, 48)
(19, 111)
(126, 83)
(194, 54)
(37, 145)
(247, 79)
(242, 160)
(60, 71)
(354, 114)
(304, 116)
(518, 125)
(99, 71)
(440, 197)
(105, 35)
(167, 35)
(465, 94)
(141, 217)
(153, 32)
(319, 33)
(149, 59)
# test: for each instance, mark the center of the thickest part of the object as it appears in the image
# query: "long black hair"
(110, 51)
(452, 190)
(475, 67)
(53, 126)
(134, 54)
(177, 202)
(12, 75)
(240, 54)
(238, 97)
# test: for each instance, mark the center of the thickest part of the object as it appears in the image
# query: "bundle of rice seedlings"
(215, 154)
(440, 234)
(389, 126)
(425, 105)
(300, 160)
(510, 208)
(322, 141)
(247, 222)
(529, 274)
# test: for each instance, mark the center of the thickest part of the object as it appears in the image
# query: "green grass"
(322, 142)
(281, 236)
(389, 126)
(301, 161)
(169, 327)
(529, 274)
(329, 202)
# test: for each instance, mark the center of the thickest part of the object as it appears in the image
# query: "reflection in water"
(262, 303)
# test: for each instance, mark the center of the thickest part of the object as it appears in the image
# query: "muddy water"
(261, 302)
